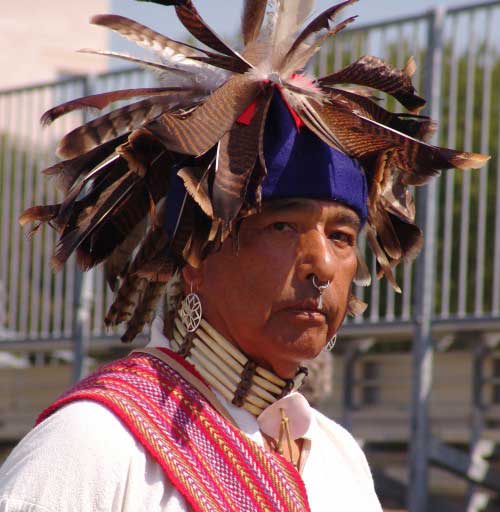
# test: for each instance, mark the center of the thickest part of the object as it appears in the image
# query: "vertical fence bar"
(5, 210)
(47, 244)
(26, 201)
(423, 353)
(496, 252)
(450, 176)
(480, 354)
(375, 293)
(483, 173)
(36, 273)
(83, 298)
(16, 191)
(84, 295)
(466, 183)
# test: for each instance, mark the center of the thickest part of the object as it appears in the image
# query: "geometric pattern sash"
(210, 462)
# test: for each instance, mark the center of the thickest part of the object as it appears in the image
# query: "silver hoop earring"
(321, 288)
(331, 344)
(191, 312)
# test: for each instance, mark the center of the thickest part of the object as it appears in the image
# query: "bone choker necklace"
(238, 379)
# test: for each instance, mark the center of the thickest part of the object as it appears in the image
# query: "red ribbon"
(247, 115)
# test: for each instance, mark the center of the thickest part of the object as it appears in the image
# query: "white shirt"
(83, 459)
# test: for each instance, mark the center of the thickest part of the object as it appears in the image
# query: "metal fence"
(40, 305)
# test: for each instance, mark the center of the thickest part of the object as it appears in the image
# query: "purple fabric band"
(299, 164)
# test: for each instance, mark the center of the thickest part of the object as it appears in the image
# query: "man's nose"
(316, 257)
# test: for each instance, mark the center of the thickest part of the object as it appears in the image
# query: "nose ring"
(321, 288)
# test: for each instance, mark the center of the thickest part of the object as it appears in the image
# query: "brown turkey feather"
(381, 256)
(420, 157)
(140, 202)
(398, 201)
(159, 270)
(419, 127)
(236, 158)
(361, 137)
(301, 57)
(322, 21)
(252, 18)
(124, 305)
(45, 213)
(168, 48)
(202, 129)
(191, 19)
(68, 171)
(363, 276)
(197, 188)
(132, 287)
(312, 119)
(410, 236)
(154, 243)
(115, 124)
(355, 306)
(95, 183)
(223, 62)
(100, 101)
(145, 310)
(109, 200)
(373, 72)
(117, 263)
(387, 235)
(144, 36)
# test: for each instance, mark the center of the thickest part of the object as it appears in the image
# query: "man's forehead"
(337, 211)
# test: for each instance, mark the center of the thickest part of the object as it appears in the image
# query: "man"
(257, 181)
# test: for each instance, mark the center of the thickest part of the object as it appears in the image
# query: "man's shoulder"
(88, 422)
(82, 431)
(80, 446)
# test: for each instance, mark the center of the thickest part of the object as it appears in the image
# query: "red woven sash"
(210, 462)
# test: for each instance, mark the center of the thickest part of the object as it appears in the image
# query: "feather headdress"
(119, 171)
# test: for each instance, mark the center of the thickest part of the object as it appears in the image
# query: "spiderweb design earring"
(191, 312)
(331, 344)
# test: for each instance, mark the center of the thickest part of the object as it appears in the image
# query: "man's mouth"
(308, 309)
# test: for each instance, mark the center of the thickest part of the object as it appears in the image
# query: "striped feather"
(117, 123)
(145, 310)
(237, 155)
(206, 125)
(373, 72)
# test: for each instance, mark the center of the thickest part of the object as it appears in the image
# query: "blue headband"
(299, 164)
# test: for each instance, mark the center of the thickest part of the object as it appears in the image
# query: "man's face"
(260, 294)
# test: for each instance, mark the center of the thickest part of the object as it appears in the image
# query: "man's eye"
(282, 226)
(342, 237)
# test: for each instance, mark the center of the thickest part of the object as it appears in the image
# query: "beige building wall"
(39, 40)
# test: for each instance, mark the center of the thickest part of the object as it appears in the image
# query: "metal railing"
(462, 98)
(41, 305)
